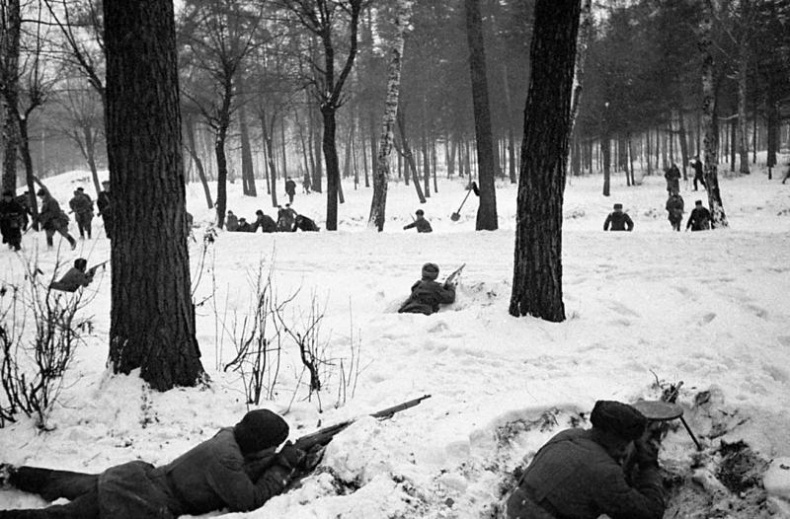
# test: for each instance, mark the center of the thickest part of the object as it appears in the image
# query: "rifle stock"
(322, 437)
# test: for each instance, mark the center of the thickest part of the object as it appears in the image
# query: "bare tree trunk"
(152, 315)
(409, 156)
(684, 148)
(192, 150)
(247, 169)
(10, 35)
(743, 122)
(381, 176)
(710, 140)
(486, 212)
(266, 132)
(537, 271)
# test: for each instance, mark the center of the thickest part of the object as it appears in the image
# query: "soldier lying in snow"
(427, 294)
(222, 472)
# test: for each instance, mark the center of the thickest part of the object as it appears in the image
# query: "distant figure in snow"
(286, 219)
(244, 226)
(580, 474)
(53, 219)
(618, 220)
(699, 175)
(675, 210)
(231, 222)
(105, 206)
(76, 277)
(263, 221)
(672, 175)
(427, 294)
(236, 469)
(305, 224)
(306, 184)
(699, 219)
(82, 207)
(420, 222)
(290, 189)
(11, 214)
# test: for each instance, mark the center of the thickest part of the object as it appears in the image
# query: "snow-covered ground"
(645, 310)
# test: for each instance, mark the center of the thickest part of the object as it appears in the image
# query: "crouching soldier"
(427, 294)
(579, 473)
(222, 472)
(618, 220)
(420, 223)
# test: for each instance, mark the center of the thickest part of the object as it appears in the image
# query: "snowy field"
(646, 310)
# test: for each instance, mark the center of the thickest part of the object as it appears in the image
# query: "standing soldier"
(675, 209)
(290, 189)
(82, 206)
(104, 202)
(672, 174)
(11, 213)
(699, 176)
(24, 201)
(53, 219)
(618, 220)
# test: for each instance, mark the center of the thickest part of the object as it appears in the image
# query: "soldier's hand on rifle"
(291, 457)
(312, 458)
(646, 452)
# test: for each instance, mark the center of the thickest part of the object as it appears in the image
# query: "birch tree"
(378, 204)
(710, 142)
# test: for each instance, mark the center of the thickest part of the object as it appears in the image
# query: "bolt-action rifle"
(313, 445)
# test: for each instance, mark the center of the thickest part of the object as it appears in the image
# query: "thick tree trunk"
(152, 315)
(9, 87)
(537, 271)
(486, 161)
(710, 140)
(772, 122)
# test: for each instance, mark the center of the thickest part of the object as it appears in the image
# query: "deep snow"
(708, 309)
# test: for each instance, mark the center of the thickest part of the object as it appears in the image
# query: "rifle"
(454, 274)
(92, 271)
(322, 437)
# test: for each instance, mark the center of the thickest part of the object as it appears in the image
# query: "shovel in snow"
(457, 215)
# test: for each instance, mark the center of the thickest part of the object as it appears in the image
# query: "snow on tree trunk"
(152, 323)
(378, 204)
(486, 212)
(710, 142)
(537, 271)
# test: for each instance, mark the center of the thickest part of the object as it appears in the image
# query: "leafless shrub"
(33, 364)
(257, 340)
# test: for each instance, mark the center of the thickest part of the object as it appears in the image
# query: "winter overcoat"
(209, 477)
(426, 296)
(574, 477)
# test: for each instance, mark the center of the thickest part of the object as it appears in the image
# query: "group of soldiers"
(699, 219)
(16, 213)
(288, 220)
